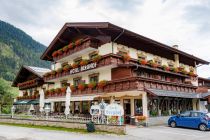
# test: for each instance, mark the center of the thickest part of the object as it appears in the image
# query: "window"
(64, 64)
(85, 107)
(195, 114)
(93, 54)
(76, 81)
(138, 107)
(77, 60)
(186, 114)
(64, 83)
(142, 56)
(158, 60)
(76, 107)
(94, 77)
(122, 51)
(171, 64)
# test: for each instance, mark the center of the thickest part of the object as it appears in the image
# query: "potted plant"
(126, 57)
(78, 42)
(66, 68)
(143, 61)
(63, 90)
(75, 65)
(55, 54)
(184, 72)
(92, 85)
(96, 58)
(82, 86)
(181, 68)
(65, 48)
(83, 62)
(52, 91)
(58, 90)
(192, 74)
(73, 88)
(102, 84)
(140, 120)
(60, 52)
(166, 68)
(175, 70)
(152, 64)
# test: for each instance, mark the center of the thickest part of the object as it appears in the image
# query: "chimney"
(175, 47)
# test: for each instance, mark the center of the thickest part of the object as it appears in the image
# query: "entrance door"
(127, 110)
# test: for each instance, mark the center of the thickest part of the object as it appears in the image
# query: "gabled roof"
(70, 31)
(26, 71)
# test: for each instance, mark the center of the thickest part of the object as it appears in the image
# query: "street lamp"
(47, 110)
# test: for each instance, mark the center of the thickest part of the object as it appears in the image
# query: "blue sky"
(185, 23)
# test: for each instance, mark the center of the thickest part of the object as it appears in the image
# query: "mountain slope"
(17, 49)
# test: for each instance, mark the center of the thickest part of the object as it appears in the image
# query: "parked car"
(191, 119)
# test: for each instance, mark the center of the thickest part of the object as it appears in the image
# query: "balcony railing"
(132, 83)
(30, 84)
(87, 45)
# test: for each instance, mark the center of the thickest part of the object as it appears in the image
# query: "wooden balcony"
(35, 83)
(88, 45)
(132, 84)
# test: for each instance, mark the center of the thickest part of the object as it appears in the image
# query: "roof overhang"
(71, 31)
(166, 93)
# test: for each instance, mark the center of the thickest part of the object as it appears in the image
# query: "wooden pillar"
(132, 106)
(144, 104)
(80, 107)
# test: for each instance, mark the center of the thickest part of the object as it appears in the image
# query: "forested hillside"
(17, 49)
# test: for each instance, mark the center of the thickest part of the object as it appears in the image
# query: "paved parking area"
(167, 133)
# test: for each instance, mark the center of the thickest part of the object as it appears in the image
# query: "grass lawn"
(84, 131)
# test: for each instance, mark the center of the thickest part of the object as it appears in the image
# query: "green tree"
(7, 95)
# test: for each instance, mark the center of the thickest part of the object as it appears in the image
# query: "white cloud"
(172, 22)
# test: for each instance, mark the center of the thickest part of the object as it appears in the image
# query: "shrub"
(52, 91)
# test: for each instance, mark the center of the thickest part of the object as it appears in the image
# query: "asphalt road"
(133, 133)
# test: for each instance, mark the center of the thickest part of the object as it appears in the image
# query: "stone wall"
(107, 128)
(163, 120)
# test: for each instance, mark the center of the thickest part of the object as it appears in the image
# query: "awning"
(157, 92)
(26, 102)
(205, 95)
(123, 94)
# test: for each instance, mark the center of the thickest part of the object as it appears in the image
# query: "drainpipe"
(116, 39)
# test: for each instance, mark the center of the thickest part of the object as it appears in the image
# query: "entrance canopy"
(157, 92)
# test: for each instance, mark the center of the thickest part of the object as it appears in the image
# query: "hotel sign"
(83, 68)
(114, 110)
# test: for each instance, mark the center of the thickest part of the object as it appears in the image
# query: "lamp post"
(47, 110)
(12, 111)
